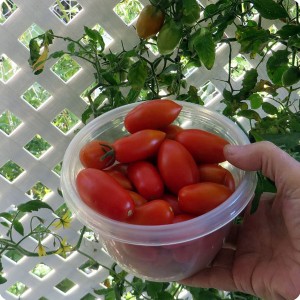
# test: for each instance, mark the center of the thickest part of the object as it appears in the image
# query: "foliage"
(269, 103)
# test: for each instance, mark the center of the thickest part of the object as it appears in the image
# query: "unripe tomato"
(155, 212)
(152, 114)
(169, 37)
(176, 166)
(200, 198)
(92, 154)
(104, 194)
(138, 146)
(204, 146)
(146, 179)
(149, 22)
(291, 76)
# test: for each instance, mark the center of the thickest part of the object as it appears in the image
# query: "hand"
(262, 255)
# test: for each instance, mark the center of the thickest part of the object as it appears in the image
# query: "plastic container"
(169, 252)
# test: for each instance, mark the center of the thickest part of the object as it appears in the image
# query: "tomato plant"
(142, 116)
(155, 212)
(104, 194)
(205, 146)
(149, 22)
(202, 197)
(93, 155)
(138, 146)
(146, 179)
(176, 165)
(216, 173)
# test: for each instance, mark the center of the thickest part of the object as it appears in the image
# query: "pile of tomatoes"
(159, 173)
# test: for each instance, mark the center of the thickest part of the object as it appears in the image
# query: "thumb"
(274, 163)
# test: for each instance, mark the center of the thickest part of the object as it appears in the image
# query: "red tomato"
(202, 197)
(171, 131)
(176, 165)
(155, 212)
(121, 178)
(152, 114)
(104, 194)
(205, 147)
(91, 155)
(173, 201)
(138, 146)
(182, 218)
(137, 198)
(120, 168)
(146, 179)
(217, 174)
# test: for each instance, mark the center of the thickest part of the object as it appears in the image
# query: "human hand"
(262, 255)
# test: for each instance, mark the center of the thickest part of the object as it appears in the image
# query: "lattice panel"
(33, 121)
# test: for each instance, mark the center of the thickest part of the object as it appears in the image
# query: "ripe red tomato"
(120, 178)
(137, 198)
(91, 155)
(176, 166)
(205, 146)
(217, 174)
(182, 218)
(152, 114)
(146, 179)
(171, 131)
(138, 146)
(104, 194)
(173, 201)
(202, 197)
(155, 212)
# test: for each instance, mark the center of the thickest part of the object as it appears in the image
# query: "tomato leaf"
(33, 205)
(289, 30)
(204, 45)
(137, 74)
(18, 227)
(255, 101)
(249, 114)
(6, 216)
(270, 9)
(269, 108)
(2, 279)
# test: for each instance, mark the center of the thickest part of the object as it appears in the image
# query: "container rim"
(162, 234)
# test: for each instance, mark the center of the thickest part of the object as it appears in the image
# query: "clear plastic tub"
(169, 252)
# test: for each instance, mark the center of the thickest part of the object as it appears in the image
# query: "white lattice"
(33, 121)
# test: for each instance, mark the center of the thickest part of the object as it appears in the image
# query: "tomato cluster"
(160, 173)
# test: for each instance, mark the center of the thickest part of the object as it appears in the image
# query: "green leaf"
(57, 54)
(18, 227)
(249, 81)
(289, 30)
(269, 108)
(137, 74)
(71, 47)
(255, 101)
(6, 216)
(205, 47)
(33, 205)
(249, 114)
(289, 140)
(133, 95)
(2, 279)
(276, 65)
(95, 36)
(210, 10)
(270, 9)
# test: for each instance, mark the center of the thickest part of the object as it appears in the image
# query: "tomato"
(217, 174)
(182, 218)
(91, 155)
(173, 201)
(171, 131)
(146, 179)
(176, 166)
(155, 212)
(104, 194)
(138, 252)
(120, 168)
(169, 37)
(205, 146)
(152, 114)
(202, 197)
(291, 76)
(138, 146)
(149, 22)
(137, 198)
(120, 178)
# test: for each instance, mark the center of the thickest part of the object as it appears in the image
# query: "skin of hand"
(262, 255)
